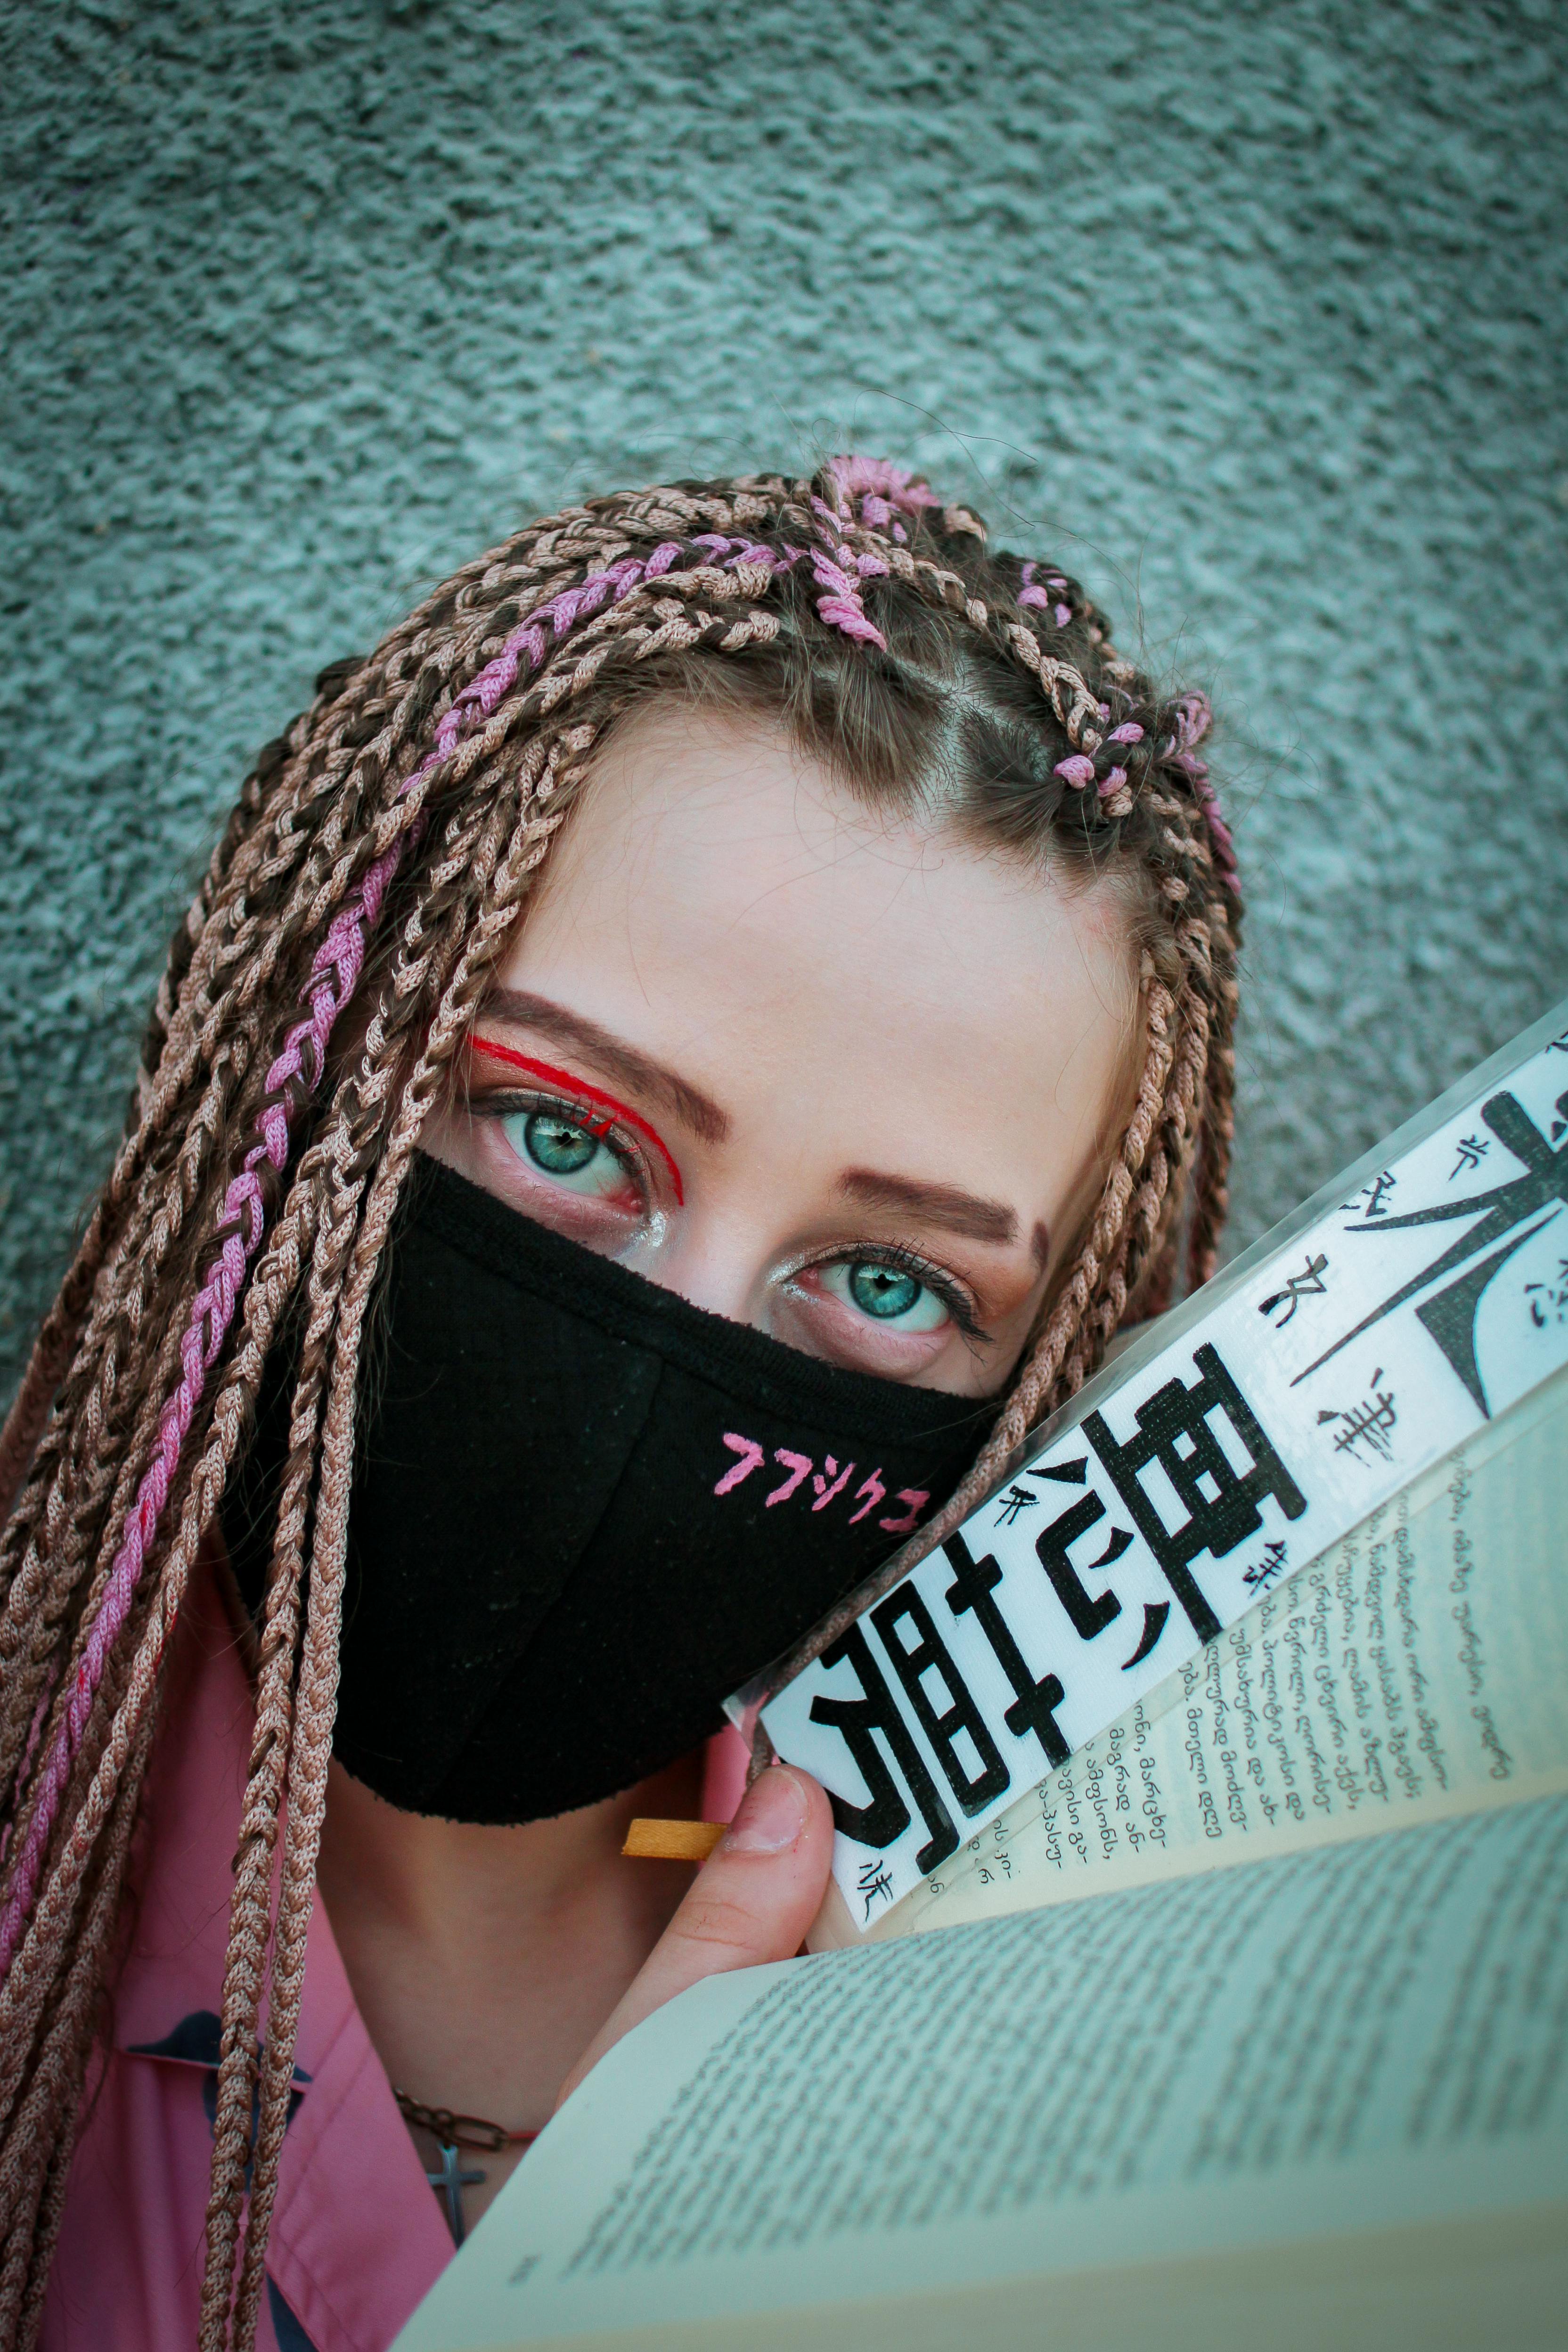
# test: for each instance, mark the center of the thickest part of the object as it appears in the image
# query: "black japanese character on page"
(861, 1720)
(1036, 1698)
(1221, 1505)
(944, 1725)
(1090, 1612)
(1450, 1314)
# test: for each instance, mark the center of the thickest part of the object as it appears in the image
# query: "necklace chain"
(457, 2130)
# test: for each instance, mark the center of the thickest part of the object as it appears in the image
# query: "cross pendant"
(451, 2183)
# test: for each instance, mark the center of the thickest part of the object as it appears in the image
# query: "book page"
(1344, 2040)
(1418, 1669)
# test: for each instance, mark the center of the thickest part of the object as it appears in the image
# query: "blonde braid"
(32, 2198)
(472, 849)
(184, 1040)
(32, 2201)
(315, 1696)
(1050, 1374)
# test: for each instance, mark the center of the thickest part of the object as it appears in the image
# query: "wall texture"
(1255, 314)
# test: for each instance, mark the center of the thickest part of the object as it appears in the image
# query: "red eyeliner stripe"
(580, 1089)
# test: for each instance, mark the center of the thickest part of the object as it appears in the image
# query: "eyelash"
(901, 1258)
(509, 1102)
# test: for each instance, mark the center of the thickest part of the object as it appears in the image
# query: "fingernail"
(771, 1814)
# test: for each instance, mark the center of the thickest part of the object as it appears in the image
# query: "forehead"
(719, 891)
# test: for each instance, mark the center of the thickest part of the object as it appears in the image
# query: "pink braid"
(498, 676)
(334, 974)
(879, 487)
(745, 552)
(1194, 717)
(1032, 593)
(295, 1075)
(840, 604)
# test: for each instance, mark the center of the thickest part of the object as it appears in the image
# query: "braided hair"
(316, 998)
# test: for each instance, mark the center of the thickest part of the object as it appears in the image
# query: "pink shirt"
(357, 2234)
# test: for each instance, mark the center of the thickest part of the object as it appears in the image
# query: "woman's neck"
(484, 1960)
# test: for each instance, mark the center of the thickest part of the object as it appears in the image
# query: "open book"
(1038, 1681)
(1419, 1669)
(1254, 2009)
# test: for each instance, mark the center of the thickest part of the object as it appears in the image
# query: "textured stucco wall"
(1255, 311)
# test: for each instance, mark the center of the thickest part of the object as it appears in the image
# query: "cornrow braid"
(316, 997)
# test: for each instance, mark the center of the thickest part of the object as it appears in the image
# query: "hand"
(751, 1901)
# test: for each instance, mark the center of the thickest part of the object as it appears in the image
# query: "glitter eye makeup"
(579, 1091)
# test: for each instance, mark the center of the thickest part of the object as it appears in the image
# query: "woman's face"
(815, 1069)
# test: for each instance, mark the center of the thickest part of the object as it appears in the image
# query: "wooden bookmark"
(651, 1841)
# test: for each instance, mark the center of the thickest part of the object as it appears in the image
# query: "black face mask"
(584, 1511)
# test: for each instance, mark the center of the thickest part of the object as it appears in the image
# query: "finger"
(751, 1901)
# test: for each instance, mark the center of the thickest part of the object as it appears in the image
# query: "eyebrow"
(939, 1205)
(698, 1112)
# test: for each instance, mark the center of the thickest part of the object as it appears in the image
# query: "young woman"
(680, 1058)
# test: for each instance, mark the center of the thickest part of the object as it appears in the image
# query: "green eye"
(888, 1294)
(571, 1155)
(556, 1145)
(883, 1291)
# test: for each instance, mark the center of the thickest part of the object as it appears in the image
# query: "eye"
(571, 1154)
(880, 1291)
(890, 1294)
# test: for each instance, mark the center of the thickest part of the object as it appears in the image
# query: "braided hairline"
(1074, 706)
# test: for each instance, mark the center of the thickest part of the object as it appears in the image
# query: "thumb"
(751, 1901)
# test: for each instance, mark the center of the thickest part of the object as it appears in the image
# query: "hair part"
(380, 855)
(936, 724)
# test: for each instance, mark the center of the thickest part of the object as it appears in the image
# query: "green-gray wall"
(1254, 313)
